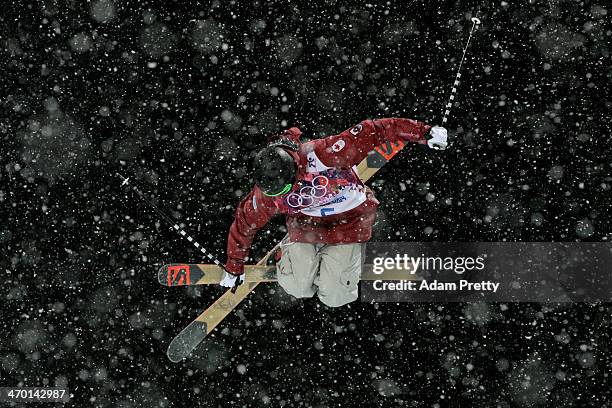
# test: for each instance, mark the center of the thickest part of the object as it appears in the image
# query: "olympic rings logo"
(308, 194)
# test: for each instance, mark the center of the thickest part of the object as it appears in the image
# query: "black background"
(91, 88)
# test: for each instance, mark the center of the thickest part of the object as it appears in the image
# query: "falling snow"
(180, 95)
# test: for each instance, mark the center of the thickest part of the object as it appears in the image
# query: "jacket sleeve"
(253, 212)
(350, 147)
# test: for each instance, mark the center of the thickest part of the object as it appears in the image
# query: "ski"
(191, 336)
(206, 274)
(187, 340)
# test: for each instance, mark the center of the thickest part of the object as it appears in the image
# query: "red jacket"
(328, 203)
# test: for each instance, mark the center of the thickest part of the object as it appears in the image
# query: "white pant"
(331, 271)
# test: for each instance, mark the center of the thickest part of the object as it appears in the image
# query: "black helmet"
(275, 170)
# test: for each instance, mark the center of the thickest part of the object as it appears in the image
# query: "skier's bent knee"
(298, 294)
(296, 290)
(337, 301)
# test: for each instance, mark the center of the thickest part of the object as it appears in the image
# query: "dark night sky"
(179, 95)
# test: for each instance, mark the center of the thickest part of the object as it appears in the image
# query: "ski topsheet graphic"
(206, 274)
(188, 339)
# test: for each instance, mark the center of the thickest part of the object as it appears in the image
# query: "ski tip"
(174, 275)
(186, 341)
(175, 356)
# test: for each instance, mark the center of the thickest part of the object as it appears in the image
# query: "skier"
(329, 211)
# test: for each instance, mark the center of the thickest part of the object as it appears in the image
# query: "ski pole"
(125, 181)
(476, 22)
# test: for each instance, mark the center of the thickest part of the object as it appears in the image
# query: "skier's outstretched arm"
(253, 212)
(351, 146)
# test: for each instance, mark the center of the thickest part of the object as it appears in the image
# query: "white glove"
(229, 280)
(438, 138)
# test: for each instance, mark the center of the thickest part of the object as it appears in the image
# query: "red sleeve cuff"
(234, 266)
(413, 131)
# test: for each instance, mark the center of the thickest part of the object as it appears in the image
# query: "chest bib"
(323, 191)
